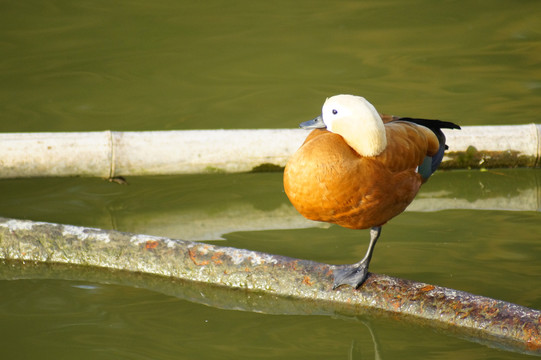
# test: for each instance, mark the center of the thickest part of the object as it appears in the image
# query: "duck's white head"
(357, 121)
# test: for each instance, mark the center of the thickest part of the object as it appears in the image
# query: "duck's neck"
(367, 139)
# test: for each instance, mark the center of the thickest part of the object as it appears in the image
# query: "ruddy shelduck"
(359, 169)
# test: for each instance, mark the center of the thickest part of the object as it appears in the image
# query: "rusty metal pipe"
(306, 282)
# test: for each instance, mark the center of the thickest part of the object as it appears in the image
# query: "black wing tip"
(452, 125)
(440, 124)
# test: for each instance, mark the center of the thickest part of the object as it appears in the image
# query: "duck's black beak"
(316, 123)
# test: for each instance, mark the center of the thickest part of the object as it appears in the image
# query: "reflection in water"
(355, 348)
(208, 224)
(207, 207)
(509, 190)
(494, 190)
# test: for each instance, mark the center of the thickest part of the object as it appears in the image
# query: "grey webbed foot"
(353, 275)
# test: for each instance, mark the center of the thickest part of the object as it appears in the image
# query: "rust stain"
(491, 312)
(427, 288)
(151, 244)
(533, 341)
(192, 257)
(533, 346)
(397, 302)
(307, 281)
(216, 257)
(329, 272)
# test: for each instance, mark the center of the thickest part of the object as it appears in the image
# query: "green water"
(137, 65)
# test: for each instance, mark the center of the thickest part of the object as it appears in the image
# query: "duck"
(359, 169)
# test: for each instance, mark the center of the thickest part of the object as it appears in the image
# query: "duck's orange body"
(326, 180)
(362, 170)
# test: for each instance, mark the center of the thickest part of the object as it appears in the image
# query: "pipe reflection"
(505, 190)
(206, 207)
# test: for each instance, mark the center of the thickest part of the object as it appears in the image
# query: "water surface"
(136, 65)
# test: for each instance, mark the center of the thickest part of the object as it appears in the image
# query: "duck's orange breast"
(326, 180)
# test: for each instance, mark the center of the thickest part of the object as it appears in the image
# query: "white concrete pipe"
(108, 154)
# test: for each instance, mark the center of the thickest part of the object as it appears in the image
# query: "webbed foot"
(353, 275)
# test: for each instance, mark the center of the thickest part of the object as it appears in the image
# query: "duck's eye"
(334, 111)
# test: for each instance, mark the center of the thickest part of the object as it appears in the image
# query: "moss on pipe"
(291, 280)
(476, 159)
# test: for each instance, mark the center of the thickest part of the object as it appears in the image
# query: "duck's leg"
(355, 274)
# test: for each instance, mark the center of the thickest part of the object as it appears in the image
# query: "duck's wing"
(420, 141)
(408, 145)
(435, 126)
